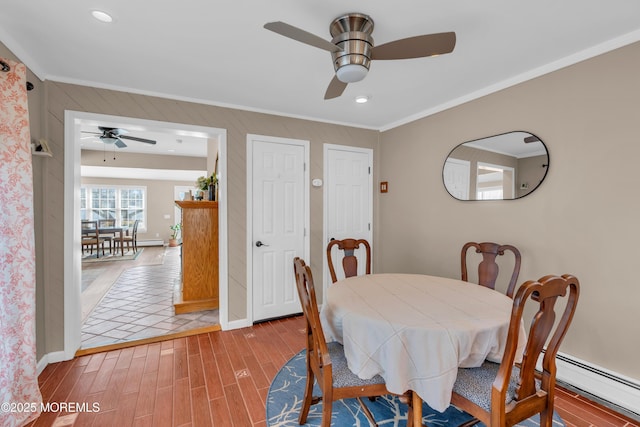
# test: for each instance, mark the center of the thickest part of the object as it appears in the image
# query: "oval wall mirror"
(500, 167)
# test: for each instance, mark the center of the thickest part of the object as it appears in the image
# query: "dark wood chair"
(349, 260)
(506, 393)
(326, 362)
(91, 237)
(488, 269)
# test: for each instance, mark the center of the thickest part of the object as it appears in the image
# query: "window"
(124, 204)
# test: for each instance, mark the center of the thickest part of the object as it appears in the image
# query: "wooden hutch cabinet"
(199, 287)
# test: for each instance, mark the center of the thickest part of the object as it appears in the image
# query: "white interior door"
(348, 200)
(279, 211)
(456, 178)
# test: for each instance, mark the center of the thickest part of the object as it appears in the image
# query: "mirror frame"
(544, 165)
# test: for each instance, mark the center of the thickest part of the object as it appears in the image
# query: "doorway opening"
(495, 182)
(75, 122)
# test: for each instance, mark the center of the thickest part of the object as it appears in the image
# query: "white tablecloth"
(416, 330)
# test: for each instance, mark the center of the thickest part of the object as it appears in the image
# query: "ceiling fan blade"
(335, 88)
(530, 139)
(120, 144)
(112, 131)
(93, 133)
(416, 47)
(303, 36)
(133, 138)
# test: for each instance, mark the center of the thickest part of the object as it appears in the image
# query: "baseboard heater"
(605, 385)
(152, 242)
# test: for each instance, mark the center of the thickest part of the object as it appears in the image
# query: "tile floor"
(140, 305)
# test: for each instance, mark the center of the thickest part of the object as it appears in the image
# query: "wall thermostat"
(317, 182)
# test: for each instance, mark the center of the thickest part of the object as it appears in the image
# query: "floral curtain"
(19, 393)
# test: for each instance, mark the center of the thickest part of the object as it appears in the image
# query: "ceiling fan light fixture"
(102, 16)
(109, 140)
(351, 73)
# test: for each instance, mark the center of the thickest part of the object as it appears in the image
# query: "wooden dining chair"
(107, 236)
(326, 362)
(131, 240)
(91, 237)
(503, 394)
(349, 260)
(488, 268)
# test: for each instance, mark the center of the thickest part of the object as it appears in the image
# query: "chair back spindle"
(488, 268)
(349, 260)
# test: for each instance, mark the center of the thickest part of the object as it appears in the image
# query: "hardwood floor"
(212, 379)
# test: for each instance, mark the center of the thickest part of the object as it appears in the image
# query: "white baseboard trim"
(152, 242)
(600, 382)
(237, 324)
(54, 357)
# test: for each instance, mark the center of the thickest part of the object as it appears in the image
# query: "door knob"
(259, 243)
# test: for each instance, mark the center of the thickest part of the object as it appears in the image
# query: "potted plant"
(173, 240)
(208, 184)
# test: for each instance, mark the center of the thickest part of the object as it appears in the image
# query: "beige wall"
(61, 97)
(582, 220)
(531, 171)
(138, 160)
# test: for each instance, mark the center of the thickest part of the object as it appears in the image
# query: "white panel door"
(278, 226)
(348, 199)
(456, 176)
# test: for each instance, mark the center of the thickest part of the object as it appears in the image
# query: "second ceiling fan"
(116, 135)
(352, 48)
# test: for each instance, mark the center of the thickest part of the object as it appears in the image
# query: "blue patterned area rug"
(287, 391)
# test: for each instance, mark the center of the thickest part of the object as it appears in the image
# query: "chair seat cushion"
(474, 384)
(342, 375)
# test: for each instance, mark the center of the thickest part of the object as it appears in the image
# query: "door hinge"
(369, 170)
(369, 226)
(304, 167)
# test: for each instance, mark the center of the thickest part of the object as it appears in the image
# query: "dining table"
(120, 231)
(416, 330)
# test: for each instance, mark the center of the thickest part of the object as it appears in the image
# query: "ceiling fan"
(352, 48)
(530, 139)
(116, 135)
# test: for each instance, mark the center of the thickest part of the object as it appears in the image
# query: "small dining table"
(416, 331)
(120, 231)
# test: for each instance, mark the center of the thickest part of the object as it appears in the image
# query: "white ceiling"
(217, 52)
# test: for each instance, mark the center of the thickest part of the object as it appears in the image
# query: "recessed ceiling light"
(362, 99)
(101, 16)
